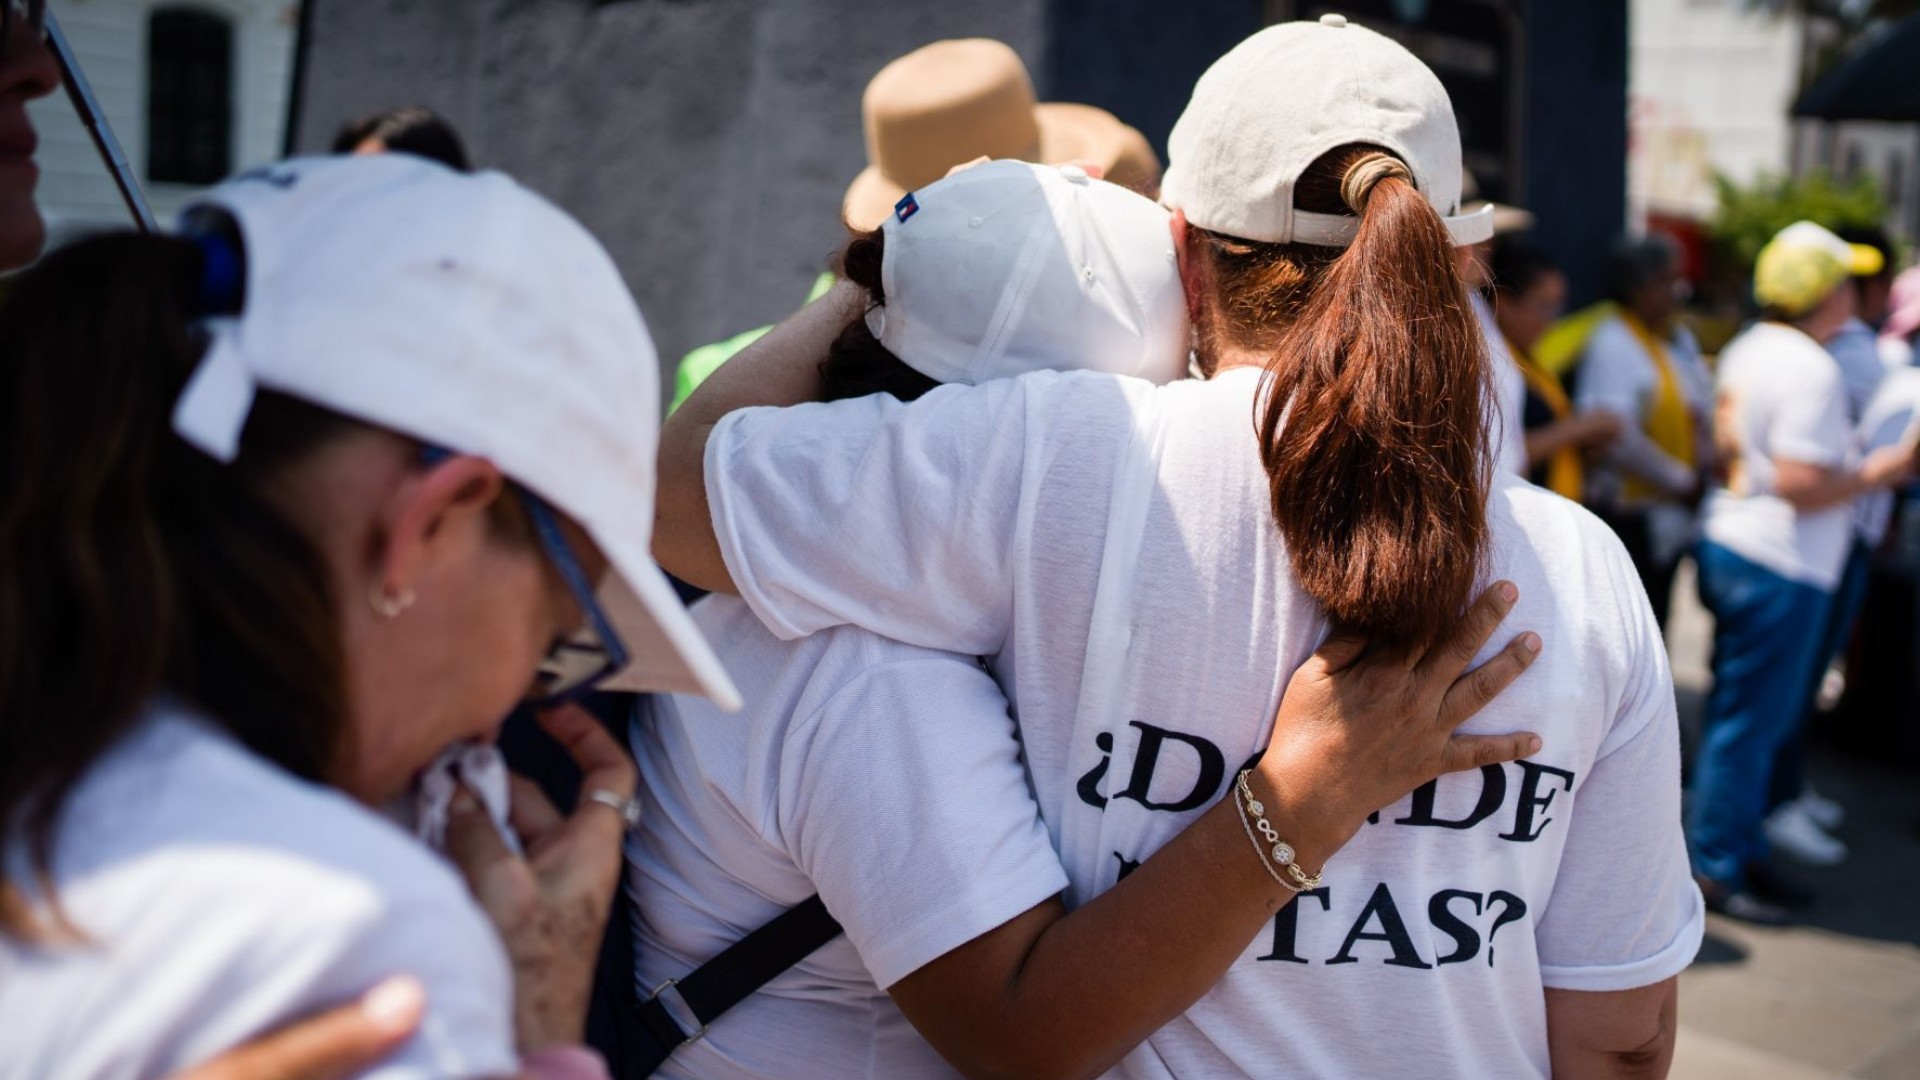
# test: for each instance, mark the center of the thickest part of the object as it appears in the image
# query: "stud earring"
(389, 604)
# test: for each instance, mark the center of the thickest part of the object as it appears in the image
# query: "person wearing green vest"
(943, 105)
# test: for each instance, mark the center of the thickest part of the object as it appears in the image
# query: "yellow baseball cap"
(1804, 263)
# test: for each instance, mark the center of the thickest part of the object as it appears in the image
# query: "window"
(189, 97)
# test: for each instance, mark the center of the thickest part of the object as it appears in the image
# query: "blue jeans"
(1767, 631)
(1790, 767)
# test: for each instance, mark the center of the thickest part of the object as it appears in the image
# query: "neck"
(1226, 358)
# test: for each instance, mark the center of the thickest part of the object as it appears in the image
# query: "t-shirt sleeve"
(1809, 416)
(420, 924)
(900, 518)
(1624, 911)
(904, 800)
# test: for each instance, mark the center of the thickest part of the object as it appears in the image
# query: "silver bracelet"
(1261, 852)
(1281, 851)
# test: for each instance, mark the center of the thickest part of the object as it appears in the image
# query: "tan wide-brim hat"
(1506, 219)
(953, 101)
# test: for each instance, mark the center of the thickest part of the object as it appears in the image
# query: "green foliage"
(1749, 215)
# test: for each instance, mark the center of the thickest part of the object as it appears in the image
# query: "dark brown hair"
(857, 364)
(410, 129)
(131, 563)
(1372, 420)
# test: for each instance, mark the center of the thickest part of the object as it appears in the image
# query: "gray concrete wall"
(706, 142)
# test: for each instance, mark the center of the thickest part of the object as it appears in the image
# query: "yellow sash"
(1566, 473)
(1667, 423)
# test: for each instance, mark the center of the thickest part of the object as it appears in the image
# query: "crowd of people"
(1776, 470)
(1134, 646)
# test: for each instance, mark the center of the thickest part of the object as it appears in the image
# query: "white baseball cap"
(469, 313)
(1007, 267)
(1290, 93)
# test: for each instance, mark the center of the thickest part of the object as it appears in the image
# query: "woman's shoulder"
(1530, 525)
(228, 896)
(183, 800)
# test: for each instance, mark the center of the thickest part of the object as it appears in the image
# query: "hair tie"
(1363, 174)
(221, 284)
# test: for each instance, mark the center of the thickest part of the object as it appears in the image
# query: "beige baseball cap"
(1279, 100)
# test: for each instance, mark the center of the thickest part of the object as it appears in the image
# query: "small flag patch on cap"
(906, 207)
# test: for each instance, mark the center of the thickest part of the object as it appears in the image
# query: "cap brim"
(667, 651)
(1071, 132)
(1865, 261)
(869, 200)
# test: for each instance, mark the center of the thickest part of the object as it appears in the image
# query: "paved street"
(1840, 995)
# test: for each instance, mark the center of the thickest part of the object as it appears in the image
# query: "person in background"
(1774, 539)
(1801, 819)
(1642, 366)
(411, 129)
(27, 72)
(1903, 320)
(943, 105)
(264, 561)
(1507, 407)
(1529, 291)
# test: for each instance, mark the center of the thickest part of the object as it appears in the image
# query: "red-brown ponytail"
(1373, 424)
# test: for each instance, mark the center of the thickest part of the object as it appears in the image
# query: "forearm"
(1811, 488)
(782, 368)
(1624, 1035)
(1095, 983)
(1638, 456)
(1549, 439)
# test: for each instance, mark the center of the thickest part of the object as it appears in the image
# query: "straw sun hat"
(953, 101)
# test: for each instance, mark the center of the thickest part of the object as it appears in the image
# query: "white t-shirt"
(1781, 396)
(1508, 421)
(1857, 351)
(1618, 376)
(1890, 417)
(983, 520)
(224, 898)
(884, 777)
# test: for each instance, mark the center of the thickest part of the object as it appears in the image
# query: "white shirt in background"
(1891, 417)
(978, 519)
(1618, 376)
(1781, 396)
(1855, 348)
(884, 777)
(224, 898)
(1507, 422)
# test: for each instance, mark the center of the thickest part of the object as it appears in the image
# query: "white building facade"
(1711, 87)
(194, 89)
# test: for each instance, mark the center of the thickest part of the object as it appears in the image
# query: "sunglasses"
(30, 14)
(578, 663)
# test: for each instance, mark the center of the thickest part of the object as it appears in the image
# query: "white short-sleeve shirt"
(977, 519)
(1781, 397)
(1891, 417)
(1617, 375)
(224, 898)
(884, 777)
(1506, 419)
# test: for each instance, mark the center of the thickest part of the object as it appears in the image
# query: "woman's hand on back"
(1359, 729)
(334, 1045)
(551, 906)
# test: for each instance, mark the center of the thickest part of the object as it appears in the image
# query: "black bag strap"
(721, 983)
